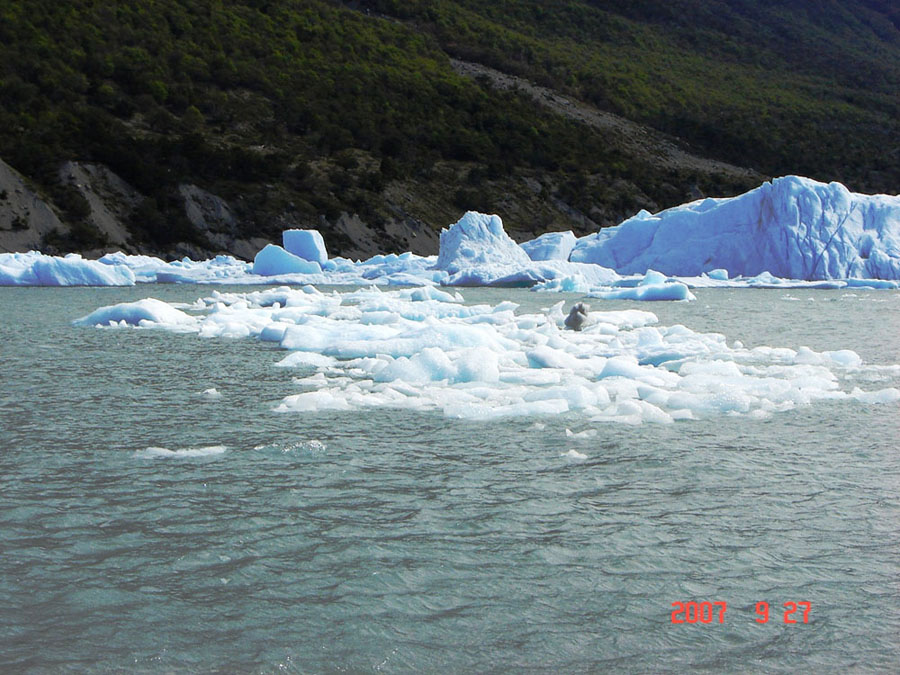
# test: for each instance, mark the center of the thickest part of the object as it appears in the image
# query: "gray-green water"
(409, 542)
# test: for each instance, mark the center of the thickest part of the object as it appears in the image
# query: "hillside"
(209, 127)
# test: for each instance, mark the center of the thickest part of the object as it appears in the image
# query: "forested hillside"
(296, 112)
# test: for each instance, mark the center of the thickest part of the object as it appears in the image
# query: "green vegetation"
(785, 86)
(310, 108)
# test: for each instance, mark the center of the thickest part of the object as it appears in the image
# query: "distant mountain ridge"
(199, 128)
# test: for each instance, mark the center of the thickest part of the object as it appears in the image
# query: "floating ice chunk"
(719, 274)
(567, 284)
(37, 269)
(587, 433)
(431, 293)
(634, 412)
(622, 366)
(313, 401)
(477, 365)
(550, 246)
(146, 312)
(844, 357)
(476, 251)
(478, 239)
(481, 411)
(165, 453)
(429, 365)
(212, 393)
(306, 359)
(882, 396)
(274, 260)
(653, 278)
(574, 454)
(649, 289)
(872, 283)
(306, 244)
(548, 357)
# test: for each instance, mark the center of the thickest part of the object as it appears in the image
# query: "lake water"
(404, 541)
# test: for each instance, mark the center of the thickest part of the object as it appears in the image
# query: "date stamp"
(710, 612)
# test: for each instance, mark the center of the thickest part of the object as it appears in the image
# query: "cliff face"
(25, 218)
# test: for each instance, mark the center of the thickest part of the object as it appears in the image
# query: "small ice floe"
(313, 445)
(206, 451)
(574, 454)
(882, 396)
(145, 313)
(587, 433)
(212, 393)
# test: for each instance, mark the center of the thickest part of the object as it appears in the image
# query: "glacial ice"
(792, 232)
(306, 244)
(550, 246)
(273, 260)
(654, 286)
(36, 269)
(424, 349)
(476, 251)
(793, 227)
(145, 313)
(478, 239)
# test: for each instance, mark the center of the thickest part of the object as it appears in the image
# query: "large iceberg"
(793, 228)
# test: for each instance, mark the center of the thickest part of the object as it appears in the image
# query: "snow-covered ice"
(424, 349)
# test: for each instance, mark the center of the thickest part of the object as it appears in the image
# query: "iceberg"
(476, 251)
(793, 228)
(274, 261)
(550, 246)
(306, 244)
(477, 240)
(653, 287)
(37, 269)
(144, 313)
